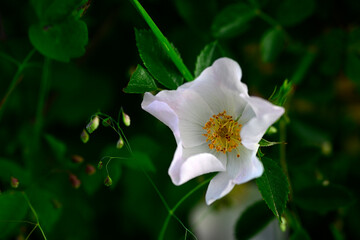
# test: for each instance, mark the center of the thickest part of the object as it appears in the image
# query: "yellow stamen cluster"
(222, 133)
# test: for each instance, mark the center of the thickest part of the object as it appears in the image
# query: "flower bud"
(126, 119)
(120, 143)
(84, 136)
(77, 158)
(108, 181)
(75, 182)
(93, 124)
(100, 165)
(106, 122)
(89, 169)
(14, 182)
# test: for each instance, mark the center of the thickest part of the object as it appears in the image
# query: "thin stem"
(165, 43)
(171, 211)
(42, 97)
(36, 225)
(17, 77)
(9, 58)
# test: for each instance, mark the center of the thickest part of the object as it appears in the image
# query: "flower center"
(222, 133)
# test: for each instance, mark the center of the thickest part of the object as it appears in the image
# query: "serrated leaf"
(61, 41)
(274, 187)
(156, 60)
(272, 44)
(292, 12)
(253, 220)
(265, 143)
(9, 168)
(207, 56)
(323, 199)
(13, 208)
(232, 20)
(141, 81)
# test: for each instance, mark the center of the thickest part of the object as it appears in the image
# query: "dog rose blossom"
(217, 127)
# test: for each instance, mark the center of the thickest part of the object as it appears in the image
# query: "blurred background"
(51, 85)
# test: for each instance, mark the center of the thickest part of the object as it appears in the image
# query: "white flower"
(217, 127)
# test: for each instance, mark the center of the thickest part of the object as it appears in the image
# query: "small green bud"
(84, 136)
(93, 124)
(75, 182)
(126, 119)
(272, 130)
(100, 165)
(89, 169)
(120, 143)
(283, 224)
(106, 122)
(14, 182)
(108, 181)
(77, 158)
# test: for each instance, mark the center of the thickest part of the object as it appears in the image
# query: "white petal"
(219, 186)
(189, 163)
(158, 107)
(265, 115)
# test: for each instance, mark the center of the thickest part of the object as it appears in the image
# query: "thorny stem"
(17, 77)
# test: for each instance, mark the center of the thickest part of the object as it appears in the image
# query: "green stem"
(42, 97)
(9, 58)
(171, 211)
(165, 43)
(15, 79)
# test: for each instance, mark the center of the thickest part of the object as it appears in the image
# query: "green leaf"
(232, 20)
(253, 220)
(272, 44)
(323, 199)
(352, 68)
(61, 41)
(55, 10)
(141, 81)
(13, 208)
(140, 161)
(46, 206)
(292, 12)
(91, 183)
(57, 146)
(273, 186)
(265, 143)
(279, 97)
(207, 56)
(156, 59)
(9, 168)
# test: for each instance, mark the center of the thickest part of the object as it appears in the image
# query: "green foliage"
(55, 10)
(156, 60)
(272, 44)
(141, 81)
(13, 211)
(253, 220)
(274, 187)
(232, 20)
(9, 168)
(265, 143)
(292, 12)
(207, 56)
(300, 234)
(323, 199)
(57, 146)
(352, 67)
(279, 97)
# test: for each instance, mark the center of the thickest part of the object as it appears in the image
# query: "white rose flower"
(217, 127)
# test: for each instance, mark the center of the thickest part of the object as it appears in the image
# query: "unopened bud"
(75, 182)
(108, 181)
(283, 224)
(93, 124)
(106, 122)
(84, 136)
(126, 119)
(120, 143)
(14, 182)
(100, 165)
(272, 130)
(77, 158)
(89, 169)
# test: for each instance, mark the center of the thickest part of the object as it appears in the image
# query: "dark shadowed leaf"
(207, 56)
(9, 168)
(291, 12)
(141, 81)
(61, 41)
(352, 68)
(232, 20)
(253, 220)
(58, 147)
(272, 44)
(273, 186)
(13, 208)
(156, 59)
(323, 199)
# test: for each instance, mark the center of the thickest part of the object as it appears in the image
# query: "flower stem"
(165, 43)
(17, 77)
